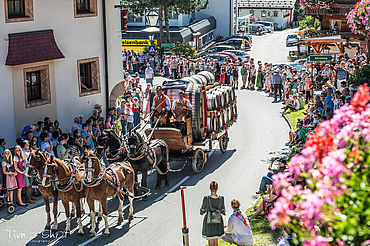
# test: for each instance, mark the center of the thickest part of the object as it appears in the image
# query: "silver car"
(241, 55)
(269, 26)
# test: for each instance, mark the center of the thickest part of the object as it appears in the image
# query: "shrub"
(360, 76)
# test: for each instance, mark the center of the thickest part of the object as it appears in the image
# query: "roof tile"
(30, 47)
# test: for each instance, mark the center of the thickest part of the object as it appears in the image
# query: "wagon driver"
(161, 107)
(180, 110)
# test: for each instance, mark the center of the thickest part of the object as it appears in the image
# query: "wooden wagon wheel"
(199, 160)
(223, 142)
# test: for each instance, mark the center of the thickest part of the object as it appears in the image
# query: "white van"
(268, 25)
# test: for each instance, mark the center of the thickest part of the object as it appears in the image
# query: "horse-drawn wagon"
(213, 111)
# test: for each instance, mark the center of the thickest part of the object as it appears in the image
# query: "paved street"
(256, 137)
(271, 47)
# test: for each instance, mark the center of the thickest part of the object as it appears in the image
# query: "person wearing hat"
(161, 107)
(180, 110)
(277, 83)
(277, 165)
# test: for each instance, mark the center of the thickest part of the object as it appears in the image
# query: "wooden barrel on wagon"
(211, 101)
(198, 114)
(209, 76)
(200, 79)
(220, 97)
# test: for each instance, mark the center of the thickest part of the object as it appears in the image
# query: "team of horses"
(88, 177)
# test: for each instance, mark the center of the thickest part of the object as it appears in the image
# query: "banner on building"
(136, 44)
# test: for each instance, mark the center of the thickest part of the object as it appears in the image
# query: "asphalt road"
(258, 135)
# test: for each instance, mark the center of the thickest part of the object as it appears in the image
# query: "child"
(9, 171)
(108, 123)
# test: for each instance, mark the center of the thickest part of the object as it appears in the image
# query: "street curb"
(287, 121)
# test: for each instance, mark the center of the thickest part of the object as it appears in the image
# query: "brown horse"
(118, 179)
(70, 188)
(37, 162)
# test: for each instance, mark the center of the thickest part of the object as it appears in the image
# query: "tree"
(165, 7)
(360, 76)
(309, 22)
(185, 49)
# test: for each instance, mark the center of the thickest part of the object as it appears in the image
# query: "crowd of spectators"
(176, 67)
(316, 90)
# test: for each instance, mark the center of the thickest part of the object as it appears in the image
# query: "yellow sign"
(136, 44)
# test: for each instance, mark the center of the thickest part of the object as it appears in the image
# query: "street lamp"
(151, 39)
(152, 18)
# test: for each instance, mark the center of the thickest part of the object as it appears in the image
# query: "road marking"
(172, 189)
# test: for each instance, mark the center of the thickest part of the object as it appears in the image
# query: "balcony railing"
(335, 11)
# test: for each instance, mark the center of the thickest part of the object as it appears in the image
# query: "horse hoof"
(167, 184)
(66, 232)
(92, 234)
(120, 219)
(157, 187)
(100, 218)
(80, 234)
(73, 215)
(47, 227)
(130, 218)
(54, 230)
(106, 234)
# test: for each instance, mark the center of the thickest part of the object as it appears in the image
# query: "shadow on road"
(117, 230)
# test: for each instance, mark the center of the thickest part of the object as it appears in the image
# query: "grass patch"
(293, 116)
(263, 235)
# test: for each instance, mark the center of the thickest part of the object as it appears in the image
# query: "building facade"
(198, 28)
(55, 60)
(334, 18)
(279, 12)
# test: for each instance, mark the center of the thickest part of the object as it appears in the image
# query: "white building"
(280, 12)
(53, 60)
(215, 20)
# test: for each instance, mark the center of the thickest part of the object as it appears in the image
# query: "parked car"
(219, 57)
(269, 26)
(215, 49)
(292, 39)
(237, 43)
(254, 29)
(234, 59)
(241, 55)
(247, 37)
(262, 26)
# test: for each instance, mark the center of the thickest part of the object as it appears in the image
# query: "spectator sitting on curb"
(267, 180)
(267, 203)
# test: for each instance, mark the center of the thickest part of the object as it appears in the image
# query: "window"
(85, 8)
(37, 86)
(268, 13)
(263, 13)
(18, 10)
(335, 26)
(131, 18)
(88, 76)
(251, 12)
(33, 80)
(276, 13)
(173, 16)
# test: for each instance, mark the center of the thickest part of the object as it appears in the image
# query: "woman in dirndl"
(212, 230)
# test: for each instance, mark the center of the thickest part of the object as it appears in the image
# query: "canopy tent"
(318, 44)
